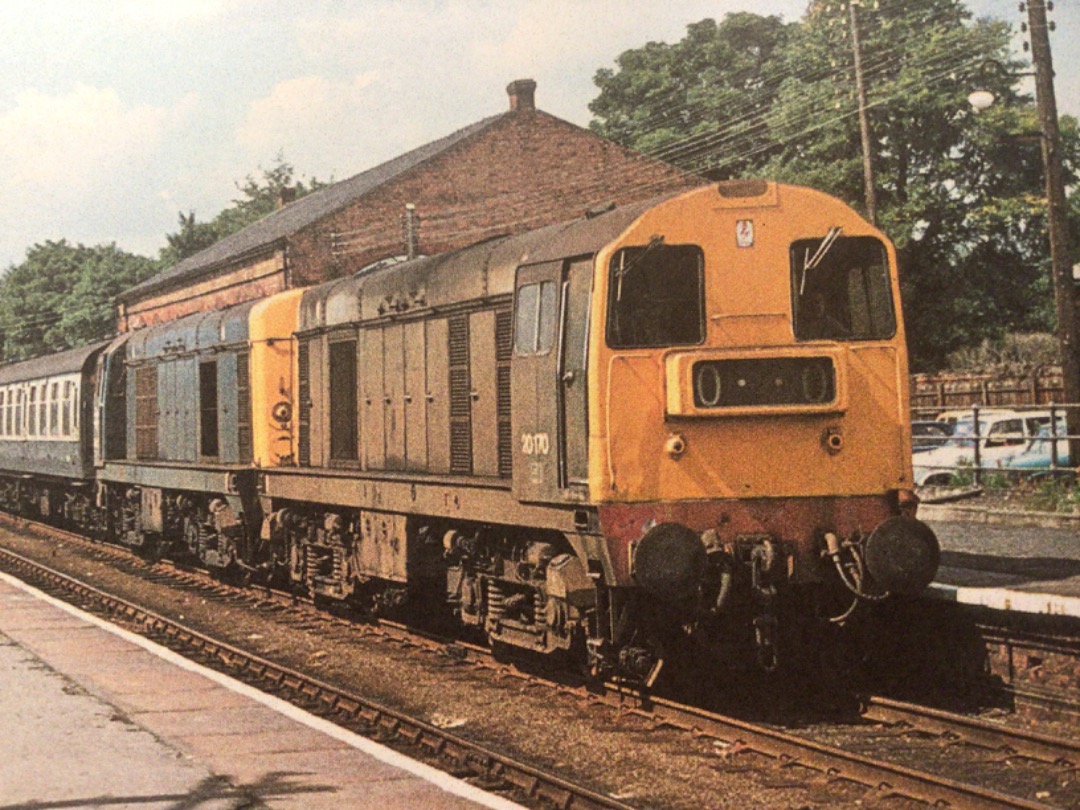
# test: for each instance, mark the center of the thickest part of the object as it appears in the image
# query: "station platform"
(95, 716)
(1021, 563)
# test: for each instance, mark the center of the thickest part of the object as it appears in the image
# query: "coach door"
(548, 379)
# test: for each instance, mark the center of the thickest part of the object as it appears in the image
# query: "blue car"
(1035, 458)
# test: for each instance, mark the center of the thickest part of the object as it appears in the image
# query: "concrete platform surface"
(1012, 567)
(94, 716)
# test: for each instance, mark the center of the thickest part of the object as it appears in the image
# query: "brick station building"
(515, 171)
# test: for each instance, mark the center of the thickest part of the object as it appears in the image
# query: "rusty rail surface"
(978, 732)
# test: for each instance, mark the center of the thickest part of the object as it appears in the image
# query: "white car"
(1002, 435)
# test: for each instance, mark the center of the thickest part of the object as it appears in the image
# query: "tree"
(698, 102)
(957, 192)
(259, 196)
(61, 296)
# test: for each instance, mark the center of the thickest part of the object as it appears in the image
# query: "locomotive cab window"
(534, 327)
(656, 297)
(841, 289)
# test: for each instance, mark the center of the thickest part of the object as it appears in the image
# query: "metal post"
(412, 240)
(978, 444)
(1057, 215)
(864, 120)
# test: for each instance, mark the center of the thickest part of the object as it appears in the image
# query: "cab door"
(535, 392)
(549, 394)
(573, 357)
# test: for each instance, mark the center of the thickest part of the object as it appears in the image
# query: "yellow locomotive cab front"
(751, 389)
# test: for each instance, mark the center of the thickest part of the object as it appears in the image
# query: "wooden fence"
(1042, 387)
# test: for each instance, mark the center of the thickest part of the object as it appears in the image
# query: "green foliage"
(678, 102)
(1014, 353)
(1059, 494)
(959, 192)
(259, 196)
(61, 296)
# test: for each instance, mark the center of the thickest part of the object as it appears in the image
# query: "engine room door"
(548, 382)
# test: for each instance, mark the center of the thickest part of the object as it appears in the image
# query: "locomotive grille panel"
(506, 445)
(303, 389)
(459, 393)
(146, 412)
(461, 448)
(243, 407)
(775, 381)
(459, 341)
(504, 346)
(460, 397)
(504, 333)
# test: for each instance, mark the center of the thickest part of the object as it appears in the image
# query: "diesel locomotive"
(684, 416)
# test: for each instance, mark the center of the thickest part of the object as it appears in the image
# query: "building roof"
(297, 215)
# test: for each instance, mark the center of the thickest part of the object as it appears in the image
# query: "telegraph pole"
(864, 119)
(1057, 216)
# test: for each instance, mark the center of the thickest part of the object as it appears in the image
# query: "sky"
(116, 115)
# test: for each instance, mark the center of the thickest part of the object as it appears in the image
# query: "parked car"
(1002, 434)
(928, 435)
(1034, 460)
(967, 414)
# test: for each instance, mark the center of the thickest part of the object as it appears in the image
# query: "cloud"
(307, 118)
(76, 165)
(171, 12)
(72, 141)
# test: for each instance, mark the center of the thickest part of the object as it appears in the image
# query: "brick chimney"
(522, 94)
(286, 195)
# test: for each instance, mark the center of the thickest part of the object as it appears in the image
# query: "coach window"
(536, 318)
(656, 296)
(54, 409)
(42, 410)
(31, 429)
(343, 439)
(65, 410)
(208, 408)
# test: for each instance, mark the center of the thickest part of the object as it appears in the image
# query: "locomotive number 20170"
(535, 444)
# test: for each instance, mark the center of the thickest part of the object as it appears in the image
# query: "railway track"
(484, 767)
(812, 761)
